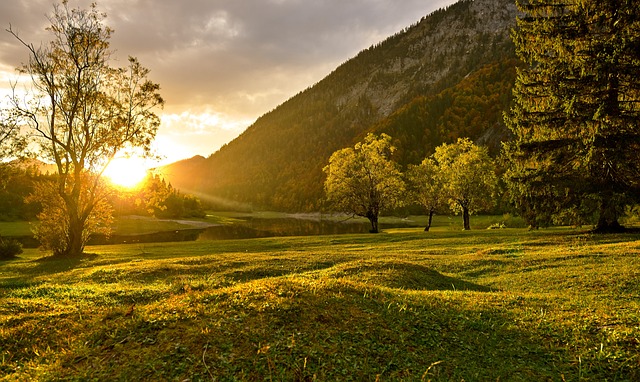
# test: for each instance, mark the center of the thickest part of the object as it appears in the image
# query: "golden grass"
(401, 305)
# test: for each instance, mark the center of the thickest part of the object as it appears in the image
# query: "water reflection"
(255, 228)
(250, 228)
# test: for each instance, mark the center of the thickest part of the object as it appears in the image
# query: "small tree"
(426, 187)
(364, 181)
(82, 112)
(469, 177)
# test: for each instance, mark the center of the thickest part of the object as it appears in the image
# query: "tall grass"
(503, 305)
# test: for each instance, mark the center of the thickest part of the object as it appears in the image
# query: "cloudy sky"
(223, 63)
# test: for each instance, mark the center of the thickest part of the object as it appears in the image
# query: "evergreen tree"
(576, 115)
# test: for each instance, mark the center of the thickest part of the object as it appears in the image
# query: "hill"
(445, 77)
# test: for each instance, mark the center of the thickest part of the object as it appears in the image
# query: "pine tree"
(576, 113)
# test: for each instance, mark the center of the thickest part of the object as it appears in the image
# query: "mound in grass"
(401, 275)
(495, 305)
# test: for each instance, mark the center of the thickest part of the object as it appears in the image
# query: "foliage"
(508, 305)
(472, 108)
(428, 84)
(164, 201)
(576, 112)
(9, 248)
(82, 112)
(16, 182)
(156, 197)
(426, 187)
(468, 175)
(365, 181)
(54, 230)
(11, 143)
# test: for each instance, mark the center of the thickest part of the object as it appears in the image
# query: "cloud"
(238, 58)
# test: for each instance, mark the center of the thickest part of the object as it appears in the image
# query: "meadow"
(403, 305)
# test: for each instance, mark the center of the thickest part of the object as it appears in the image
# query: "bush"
(9, 248)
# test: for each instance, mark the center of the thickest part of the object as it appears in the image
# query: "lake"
(251, 228)
(247, 227)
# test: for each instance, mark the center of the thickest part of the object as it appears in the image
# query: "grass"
(124, 225)
(508, 305)
(17, 228)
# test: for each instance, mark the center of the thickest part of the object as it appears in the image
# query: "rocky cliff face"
(430, 55)
(421, 84)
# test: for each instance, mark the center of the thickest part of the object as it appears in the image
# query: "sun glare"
(126, 172)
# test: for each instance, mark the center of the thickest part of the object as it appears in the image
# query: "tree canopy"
(426, 187)
(81, 112)
(468, 175)
(364, 180)
(576, 115)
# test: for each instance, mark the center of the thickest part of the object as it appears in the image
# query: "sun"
(126, 172)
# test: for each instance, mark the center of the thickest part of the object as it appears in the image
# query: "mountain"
(448, 76)
(34, 166)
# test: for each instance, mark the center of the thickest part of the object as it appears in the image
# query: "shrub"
(9, 248)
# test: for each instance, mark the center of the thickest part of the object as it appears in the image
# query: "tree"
(576, 112)
(162, 200)
(426, 187)
(11, 143)
(82, 112)
(468, 175)
(54, 229)
(363, 181)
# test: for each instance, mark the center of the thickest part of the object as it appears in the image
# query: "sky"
(221, 64)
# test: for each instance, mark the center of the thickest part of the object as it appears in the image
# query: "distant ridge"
(447, 76)
(34, 164)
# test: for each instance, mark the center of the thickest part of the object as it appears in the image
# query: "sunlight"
(126, 172)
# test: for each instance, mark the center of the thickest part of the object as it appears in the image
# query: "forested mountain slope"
(448, 76)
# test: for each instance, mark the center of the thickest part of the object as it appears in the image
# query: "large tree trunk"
(75, 245)
(466, 218)
(428, 227)
(373, 218)
(608, 219)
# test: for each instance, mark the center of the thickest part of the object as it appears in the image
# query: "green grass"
(125, 225)
(18, 228)
(508, 305)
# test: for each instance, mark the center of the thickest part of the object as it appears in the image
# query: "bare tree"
(81, 112)
(10, 140)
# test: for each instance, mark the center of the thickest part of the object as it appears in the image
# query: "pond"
(251, 228)
(245, 228)
(258, 227)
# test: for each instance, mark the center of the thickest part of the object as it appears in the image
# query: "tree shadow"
(55, 264)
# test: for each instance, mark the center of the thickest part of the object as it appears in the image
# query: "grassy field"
(127, 225)
(486, 305)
